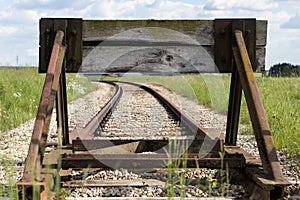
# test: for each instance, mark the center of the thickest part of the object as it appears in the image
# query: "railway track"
(140, 145)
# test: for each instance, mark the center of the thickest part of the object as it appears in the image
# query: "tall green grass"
(281, 99)
(20, 92)
(19, 95)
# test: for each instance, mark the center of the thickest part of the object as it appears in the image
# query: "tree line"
(284, 70)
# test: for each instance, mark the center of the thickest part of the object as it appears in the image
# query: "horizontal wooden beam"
(199, 31)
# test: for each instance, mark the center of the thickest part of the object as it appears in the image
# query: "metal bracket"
(72, 39)
(224, 33)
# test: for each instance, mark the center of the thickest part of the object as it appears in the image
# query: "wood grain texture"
(155, 46)
(200, 31)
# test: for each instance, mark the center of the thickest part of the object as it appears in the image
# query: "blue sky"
(19, 21)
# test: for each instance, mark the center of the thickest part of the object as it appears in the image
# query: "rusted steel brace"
(43, 118)
(258, 117)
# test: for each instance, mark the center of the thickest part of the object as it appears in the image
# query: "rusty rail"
(37, 146)
(92, 126)
(258, 117)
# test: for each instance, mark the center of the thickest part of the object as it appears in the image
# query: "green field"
(20, 92)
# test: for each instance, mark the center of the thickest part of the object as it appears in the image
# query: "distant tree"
(284, 69)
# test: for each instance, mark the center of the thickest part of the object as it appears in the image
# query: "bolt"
(73, 33)
(39, 179)
(48, 31)
(248, 32)
(222, 32)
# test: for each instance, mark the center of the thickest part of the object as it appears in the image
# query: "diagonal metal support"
(62, 109)
(233, 115)
(43, 118)
(258, 117)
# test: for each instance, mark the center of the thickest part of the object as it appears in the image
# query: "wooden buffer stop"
(154, 47)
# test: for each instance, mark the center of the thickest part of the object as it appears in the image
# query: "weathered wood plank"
(158, 30)
(261, 32)
(156, 46)
(190, 31)
(142, 145)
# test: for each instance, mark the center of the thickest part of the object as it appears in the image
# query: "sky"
(19, 21)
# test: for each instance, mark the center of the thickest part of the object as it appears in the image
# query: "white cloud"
(7, 30)
(48, 4)
(293, 23)
(18, 17)
(239, 4)
(142, 9)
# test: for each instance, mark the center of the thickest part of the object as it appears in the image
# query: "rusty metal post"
(258, 117)
(62, 108)
(61, 95)
(233, 115)
(42, 122)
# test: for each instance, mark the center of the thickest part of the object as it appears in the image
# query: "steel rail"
(86, 132)
(272, 181)
(42, 122)
(184, 118)
(258, 117)
(92, 126)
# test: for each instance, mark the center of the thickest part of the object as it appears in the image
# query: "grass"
(20, 92)
(280, 97)
(19, 96)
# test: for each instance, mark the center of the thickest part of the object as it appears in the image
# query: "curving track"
(134, 143)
